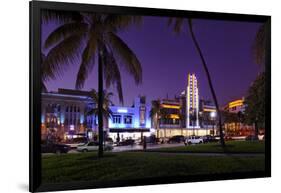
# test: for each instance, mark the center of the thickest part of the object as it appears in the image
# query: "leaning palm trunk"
(100, 101)
(209, 81)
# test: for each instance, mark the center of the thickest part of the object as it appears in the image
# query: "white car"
(193, 140)
(93, 146)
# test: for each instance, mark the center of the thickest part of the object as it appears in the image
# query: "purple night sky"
(167, 58)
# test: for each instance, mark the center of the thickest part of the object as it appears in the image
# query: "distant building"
(208, 117)
(130, 122)
(192, 102)
(236, 106)
(63, 114)
(233, 120)
(170, 118)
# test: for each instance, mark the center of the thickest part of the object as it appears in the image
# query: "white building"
(192, 102)
(130, 122)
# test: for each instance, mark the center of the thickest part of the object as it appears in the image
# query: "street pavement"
(131, 148)
(137, 148)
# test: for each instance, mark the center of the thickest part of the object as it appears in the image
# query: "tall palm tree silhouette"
(178, 27)
(88, 37)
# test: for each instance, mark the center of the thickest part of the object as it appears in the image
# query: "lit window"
(128, 119)
(116, 118)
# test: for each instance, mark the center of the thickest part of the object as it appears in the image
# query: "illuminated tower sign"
(192, 102)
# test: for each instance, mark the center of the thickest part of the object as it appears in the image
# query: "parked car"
(227, 138)
(150, 139)
(209, 139)
(193, 140)
(176, 139)
(93, 146)
(163, 140)
(126, 142)
(251, 138)
(55, 148)
(73, 143)
(109, 141)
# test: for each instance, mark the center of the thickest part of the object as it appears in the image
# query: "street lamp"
(213, 115)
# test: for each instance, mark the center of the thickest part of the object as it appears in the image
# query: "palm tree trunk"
(209, 81)
(256, 129)
(100, 101)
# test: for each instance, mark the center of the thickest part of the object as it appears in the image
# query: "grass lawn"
(231, 147)
(137, 165)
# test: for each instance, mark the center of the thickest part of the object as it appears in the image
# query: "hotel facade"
(186, 114)
(235, 126)
(130, 122)
(63, 114)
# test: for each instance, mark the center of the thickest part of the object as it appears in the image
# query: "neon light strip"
(209, 110)
(174, 116)
(170, 106)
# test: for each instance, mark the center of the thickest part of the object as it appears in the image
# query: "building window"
(128, 119)
(116, 118)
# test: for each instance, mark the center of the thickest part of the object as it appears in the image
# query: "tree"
(255, 100)
(88, 37)
(44, 75)
(255, 103)
(155, 114)
(260, 44)
(178, 26)
(107, 113)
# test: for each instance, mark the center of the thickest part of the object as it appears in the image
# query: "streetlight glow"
(213, 114)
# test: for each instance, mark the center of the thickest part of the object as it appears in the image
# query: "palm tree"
(106, 112)
(259, 46)
(96, 35)
(177, 26)
(94, 95)
(44, 75)
(155, 114)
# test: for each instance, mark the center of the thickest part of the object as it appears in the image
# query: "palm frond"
(65, 31)
(121, 21)
(259, 45)
(62, 55)
(170, 21)
(126, 56)
(112, 74)
(87, 63)
(176, 23)
(94, 95)
(43, 87)
(60, 16)
(93, 111)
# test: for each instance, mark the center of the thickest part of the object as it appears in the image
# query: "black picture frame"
(35, 93)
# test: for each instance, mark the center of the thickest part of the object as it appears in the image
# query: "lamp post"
(213, 115)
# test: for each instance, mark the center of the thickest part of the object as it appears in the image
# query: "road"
(132, 147)
(156, 146)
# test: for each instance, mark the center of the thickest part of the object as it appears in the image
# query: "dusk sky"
(167, 58)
